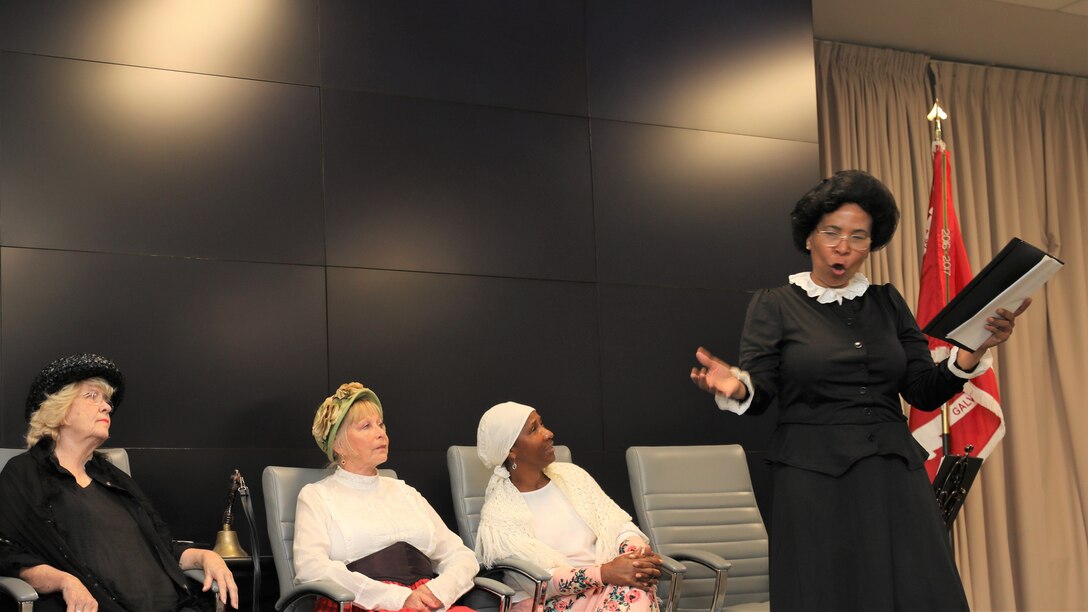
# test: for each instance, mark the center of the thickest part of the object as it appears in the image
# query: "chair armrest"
(324, 588)
(672, 566)
(502, 592)
(487, 594)
(676, 571)
(496, 588)
(197, 575)
(708, 560)
(18, 589)
(531, 571)
(714, 563)
(525, 568)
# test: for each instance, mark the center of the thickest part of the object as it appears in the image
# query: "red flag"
(975, 414)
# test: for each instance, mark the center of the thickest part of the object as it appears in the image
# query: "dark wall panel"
(696, 209)
(441, 349)
(744, 66)
(247, 203)
(528, 55)
(256, 39)
(217, 354)
(421, 185)
(189, 487)
(650, 334)
(609, 469)
(111, 158)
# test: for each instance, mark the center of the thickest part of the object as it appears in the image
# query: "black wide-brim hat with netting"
(70, 369)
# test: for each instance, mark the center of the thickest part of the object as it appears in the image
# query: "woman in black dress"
(855, 522)
(79, 529)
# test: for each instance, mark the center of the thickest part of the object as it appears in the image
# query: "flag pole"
(935, 116)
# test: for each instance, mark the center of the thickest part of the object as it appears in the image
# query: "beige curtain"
(868, 103)
(1019, 143)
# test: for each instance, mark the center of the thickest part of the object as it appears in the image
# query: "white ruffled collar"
(356, 481)
(826, 295)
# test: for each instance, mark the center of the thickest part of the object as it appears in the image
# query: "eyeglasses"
(831, 238)
(95, 397)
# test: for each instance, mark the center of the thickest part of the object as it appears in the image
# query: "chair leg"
(719, 590)
(538, 595)
(674, 590)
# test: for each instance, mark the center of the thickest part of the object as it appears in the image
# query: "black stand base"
(954, 479)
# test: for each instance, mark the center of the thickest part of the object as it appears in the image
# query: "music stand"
(954, 478)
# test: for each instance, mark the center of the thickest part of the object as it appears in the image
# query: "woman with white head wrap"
(556, 516)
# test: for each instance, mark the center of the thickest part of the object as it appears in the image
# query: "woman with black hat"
(76, 527)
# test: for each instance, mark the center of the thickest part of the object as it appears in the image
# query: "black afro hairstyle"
(846, 187)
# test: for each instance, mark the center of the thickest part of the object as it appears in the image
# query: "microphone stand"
(247, 507)
(226, 541)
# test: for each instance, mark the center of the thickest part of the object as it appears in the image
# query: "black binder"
(1013, 275)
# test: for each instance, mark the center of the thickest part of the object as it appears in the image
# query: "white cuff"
(731, 405)
(980, 369)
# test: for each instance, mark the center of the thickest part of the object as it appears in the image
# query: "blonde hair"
(45, 422)
(354, 414)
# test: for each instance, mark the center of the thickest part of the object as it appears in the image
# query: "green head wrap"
(332, 411)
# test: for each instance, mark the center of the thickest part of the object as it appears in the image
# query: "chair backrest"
(468, 483)
(701, 497)
(116, 456)
(7, 453)
(281, 487)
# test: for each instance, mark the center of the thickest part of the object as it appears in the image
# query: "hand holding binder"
(1016, 272)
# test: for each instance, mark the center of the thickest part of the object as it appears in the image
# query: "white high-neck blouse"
(347, 516)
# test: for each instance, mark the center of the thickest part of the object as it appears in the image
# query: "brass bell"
(227, 544)
(226, 541)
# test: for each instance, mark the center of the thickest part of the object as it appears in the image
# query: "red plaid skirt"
(324, 604)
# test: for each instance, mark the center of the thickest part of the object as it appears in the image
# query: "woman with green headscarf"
(374, 535)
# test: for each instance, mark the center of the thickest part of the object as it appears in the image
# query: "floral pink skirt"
(607, 599)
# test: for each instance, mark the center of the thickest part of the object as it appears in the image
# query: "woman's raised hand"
(715, 376)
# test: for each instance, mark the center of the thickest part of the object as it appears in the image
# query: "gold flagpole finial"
(936, 115)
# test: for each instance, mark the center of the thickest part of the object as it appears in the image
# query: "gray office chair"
(25, 595)
(281, 488)
(697, 504)
(468, 483)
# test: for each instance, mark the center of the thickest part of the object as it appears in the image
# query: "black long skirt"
(871, 539)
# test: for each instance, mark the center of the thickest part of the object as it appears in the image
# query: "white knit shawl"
(506, 523)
